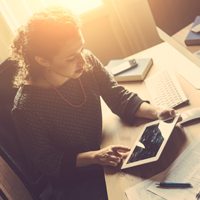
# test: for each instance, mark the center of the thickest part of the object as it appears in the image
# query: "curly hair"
(43, 36)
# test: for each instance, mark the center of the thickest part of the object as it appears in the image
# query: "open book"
(136, 73)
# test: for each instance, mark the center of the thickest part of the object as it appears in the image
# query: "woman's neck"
(48, 81)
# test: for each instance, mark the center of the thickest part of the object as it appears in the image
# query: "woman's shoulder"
(97, 67)
(21, 100)
(29, 97)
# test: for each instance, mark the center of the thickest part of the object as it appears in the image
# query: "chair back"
(10, 148)
(11, 186)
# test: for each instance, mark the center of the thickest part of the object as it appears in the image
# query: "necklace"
(67, 101)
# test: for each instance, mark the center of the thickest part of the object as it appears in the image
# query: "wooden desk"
(180, 37)
(116, 133)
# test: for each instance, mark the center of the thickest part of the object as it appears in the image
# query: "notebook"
(150, 143)
(136, 73)
(193, 38)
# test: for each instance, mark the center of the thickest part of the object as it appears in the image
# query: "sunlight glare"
(78, 6)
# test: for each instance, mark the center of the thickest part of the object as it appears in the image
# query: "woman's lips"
(79, 70)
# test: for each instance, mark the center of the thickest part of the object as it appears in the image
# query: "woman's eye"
(71, 59)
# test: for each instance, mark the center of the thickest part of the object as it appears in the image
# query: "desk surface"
(117, 133)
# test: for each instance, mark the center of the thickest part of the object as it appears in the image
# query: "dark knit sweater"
(52, 132)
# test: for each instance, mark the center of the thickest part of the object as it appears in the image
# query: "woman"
(57, 108)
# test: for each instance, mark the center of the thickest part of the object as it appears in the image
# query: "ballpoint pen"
(173, 185)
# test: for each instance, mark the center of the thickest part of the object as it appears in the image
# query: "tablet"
(150, 143)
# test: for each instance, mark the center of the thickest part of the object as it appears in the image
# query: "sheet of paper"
(139, 192)
(195, 180)
(185, 167)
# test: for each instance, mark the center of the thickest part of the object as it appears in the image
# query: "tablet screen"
(148, 145)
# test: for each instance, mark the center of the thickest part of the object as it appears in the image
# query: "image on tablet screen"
(148, 145)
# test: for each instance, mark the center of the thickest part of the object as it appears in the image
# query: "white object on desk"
(190, 115)
(140, 192)
(165, 90)
(196, 29)
(122, 66)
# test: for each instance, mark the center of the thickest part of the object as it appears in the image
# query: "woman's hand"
(149, 111)
(111, 155)
(165, 113)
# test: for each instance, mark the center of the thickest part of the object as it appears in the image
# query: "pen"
(173, 185)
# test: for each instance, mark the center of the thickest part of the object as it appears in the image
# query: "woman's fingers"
(117, 154)
(166, 113)
(112, 163)
(113, 160)
(112, 155)
(124, 155)
(120, 148)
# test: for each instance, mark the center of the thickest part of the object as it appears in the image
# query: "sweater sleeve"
(121, 101)
(33, 134)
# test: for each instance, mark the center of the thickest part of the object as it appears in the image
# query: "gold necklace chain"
(67, 101)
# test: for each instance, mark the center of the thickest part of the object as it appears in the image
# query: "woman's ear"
(42, 61)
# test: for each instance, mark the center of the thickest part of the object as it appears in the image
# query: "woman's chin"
(77, 74)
